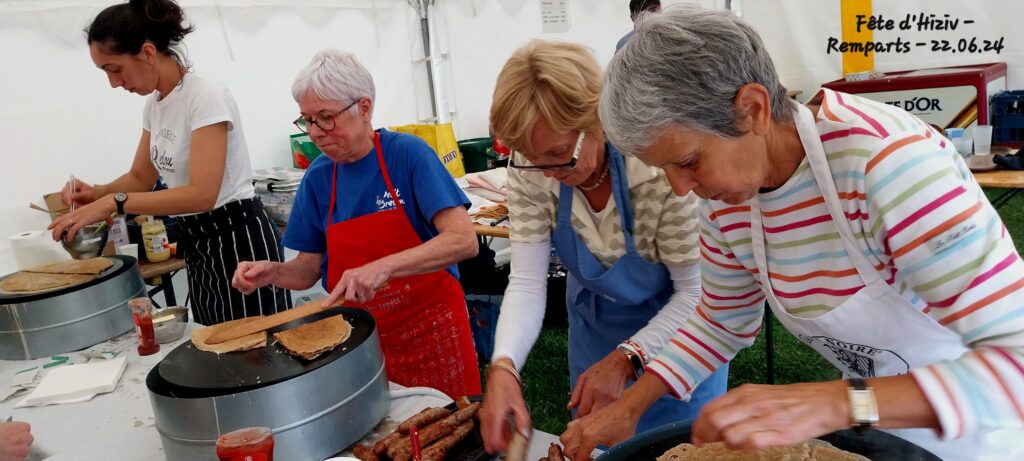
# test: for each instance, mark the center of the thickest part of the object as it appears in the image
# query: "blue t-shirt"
(421, 182)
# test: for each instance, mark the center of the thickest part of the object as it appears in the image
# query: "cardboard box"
(949, 97)
(55, 204)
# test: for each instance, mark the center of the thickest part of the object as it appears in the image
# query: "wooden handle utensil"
(267, 322)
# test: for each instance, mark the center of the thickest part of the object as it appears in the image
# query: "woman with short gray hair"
(380, 222)
(880, 250)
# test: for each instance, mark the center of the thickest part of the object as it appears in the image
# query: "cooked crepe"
(312, 339)
(23, 283)
(258, 339)
(813, 450)
(94, 266)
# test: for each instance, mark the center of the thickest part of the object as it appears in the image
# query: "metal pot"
(72, 318)
(875, 445)
(315, 408)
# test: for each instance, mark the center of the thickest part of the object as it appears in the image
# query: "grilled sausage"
(438, 450)
(555, 452)
(401, 450)
(423, 418)
(364, 453)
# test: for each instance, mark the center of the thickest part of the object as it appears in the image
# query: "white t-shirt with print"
(195, 103)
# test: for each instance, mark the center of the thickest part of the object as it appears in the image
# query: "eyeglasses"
(324, 122)
(570, 165)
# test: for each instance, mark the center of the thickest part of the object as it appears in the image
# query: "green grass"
(546, 374)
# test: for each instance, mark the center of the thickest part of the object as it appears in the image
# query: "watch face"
(120, 196)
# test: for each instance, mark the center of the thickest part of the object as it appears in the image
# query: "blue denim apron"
(608, 306)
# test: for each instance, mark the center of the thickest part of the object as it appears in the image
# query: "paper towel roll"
(34, 248)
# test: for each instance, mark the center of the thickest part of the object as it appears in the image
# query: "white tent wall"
(479, 35)
(58, 114)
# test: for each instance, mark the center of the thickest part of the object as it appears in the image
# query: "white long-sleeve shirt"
(665, 231)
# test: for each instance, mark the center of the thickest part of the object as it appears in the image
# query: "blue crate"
(1007, 117)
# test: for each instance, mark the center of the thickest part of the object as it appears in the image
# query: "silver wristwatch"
(863, 406)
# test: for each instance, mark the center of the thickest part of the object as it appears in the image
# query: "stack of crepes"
(53, 276)
(308, 341)
(811, 450)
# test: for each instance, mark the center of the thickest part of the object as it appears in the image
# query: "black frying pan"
(191, 373)
(875, 445)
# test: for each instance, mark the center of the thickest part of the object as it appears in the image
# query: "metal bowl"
(88, 242)
(169, 323)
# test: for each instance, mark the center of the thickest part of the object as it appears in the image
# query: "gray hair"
(683, 67)
(334, 75)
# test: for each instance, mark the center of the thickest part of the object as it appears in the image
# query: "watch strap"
(119, 199)
(635, 362)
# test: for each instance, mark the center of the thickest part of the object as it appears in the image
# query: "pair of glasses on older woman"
(325, 122)
(570, 165)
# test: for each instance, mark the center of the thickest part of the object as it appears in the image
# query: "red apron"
(422, 319)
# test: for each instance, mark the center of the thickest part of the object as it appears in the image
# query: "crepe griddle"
(121, 264)
(191, 373)
(875, 445)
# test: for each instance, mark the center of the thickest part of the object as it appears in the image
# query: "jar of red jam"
(142, 313)
(249, 444)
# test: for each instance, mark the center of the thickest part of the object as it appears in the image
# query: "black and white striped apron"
(213, 243)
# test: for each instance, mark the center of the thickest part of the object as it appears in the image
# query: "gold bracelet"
(512, 370)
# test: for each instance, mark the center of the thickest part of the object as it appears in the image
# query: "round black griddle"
(191, 373)
(875, 445)
(121, 264)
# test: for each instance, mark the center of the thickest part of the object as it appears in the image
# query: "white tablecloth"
(120, 425)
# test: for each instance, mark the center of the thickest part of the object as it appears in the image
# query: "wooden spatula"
(267, 322)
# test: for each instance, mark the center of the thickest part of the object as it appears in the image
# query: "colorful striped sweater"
(903, 189)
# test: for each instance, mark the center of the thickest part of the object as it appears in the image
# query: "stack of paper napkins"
(76, 383)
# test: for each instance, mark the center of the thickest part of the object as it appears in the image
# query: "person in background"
(15, 441)
(858, 223)
(628, 243)
(636, 7)
(380, 223)
(191, 137)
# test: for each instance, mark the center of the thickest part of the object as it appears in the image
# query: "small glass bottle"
(249, 444)
(142, 313)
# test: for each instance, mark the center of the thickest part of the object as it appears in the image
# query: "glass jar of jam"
(142, 314)
(249, 444)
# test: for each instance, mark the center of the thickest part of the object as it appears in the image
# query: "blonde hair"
(558, 81)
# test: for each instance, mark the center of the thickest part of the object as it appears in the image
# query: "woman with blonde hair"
(628, 242)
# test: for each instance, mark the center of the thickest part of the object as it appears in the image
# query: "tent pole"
(421, 10)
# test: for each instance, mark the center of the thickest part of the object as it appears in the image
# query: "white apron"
(867, 335)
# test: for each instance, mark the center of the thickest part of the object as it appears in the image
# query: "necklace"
(597, 184)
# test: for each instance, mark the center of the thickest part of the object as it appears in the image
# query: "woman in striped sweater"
(858, 224)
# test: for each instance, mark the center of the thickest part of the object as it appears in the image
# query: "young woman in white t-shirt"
(192, 138)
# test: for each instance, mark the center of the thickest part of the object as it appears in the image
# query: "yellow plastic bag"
(442, 139)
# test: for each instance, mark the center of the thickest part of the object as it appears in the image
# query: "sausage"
(423, 418)
(438, 450)
(555, 452)
(364, 453)
(401, 450)
(462, 402)
(382, 445)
